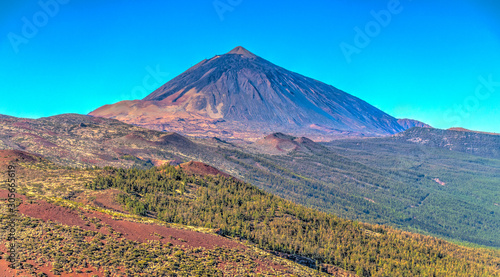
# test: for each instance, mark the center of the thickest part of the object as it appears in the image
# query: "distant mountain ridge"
(353, 178)
(472, 131)
(410, 123)
(240, 95)
(470, 142)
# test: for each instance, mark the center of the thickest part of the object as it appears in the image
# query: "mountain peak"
(242, 51)
(242, 96)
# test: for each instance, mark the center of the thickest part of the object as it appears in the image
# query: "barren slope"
(240, 95)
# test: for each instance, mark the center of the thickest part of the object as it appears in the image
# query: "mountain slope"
(410, 123)
(392, 180)
(80, 140)
(461, 140)
(240, 95)
(172, 223)
(70, 230)
(278, 143)
(241, 210)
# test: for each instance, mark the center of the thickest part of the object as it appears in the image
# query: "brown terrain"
(136, 231)
(239, 95)
(140, 232)
(8, 156)
(198, 168)
(279, 143)
(79, 140)
(107, 217)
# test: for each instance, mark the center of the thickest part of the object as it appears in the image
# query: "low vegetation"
(70, 249)
(389, 181)
(243, 211)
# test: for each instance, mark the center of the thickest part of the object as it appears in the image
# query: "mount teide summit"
(240, 95)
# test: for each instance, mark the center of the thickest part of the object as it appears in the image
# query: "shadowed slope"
(240, 95)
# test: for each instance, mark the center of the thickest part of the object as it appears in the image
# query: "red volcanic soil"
(46, 211)
(140, 232)
(7, 156)
(40, 140)
(105, 199)
(278, 141)
(5, 270)
(46, 269)
(134, 139)
(23, 124)
(55, 213)
(157, 162)
(4, 194)
(198, 168)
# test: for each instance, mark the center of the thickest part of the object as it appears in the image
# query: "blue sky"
(435, 62)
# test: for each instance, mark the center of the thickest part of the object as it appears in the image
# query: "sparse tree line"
(74, 250)
(241, 210)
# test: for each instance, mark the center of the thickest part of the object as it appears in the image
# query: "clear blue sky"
(425, 63)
